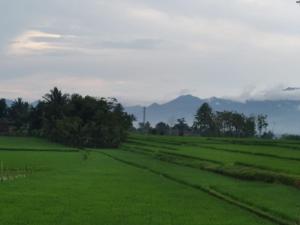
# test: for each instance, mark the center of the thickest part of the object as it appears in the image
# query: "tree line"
(214, 124)
(75, 120)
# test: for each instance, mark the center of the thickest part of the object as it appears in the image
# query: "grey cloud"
(134, 44)
(209, 47)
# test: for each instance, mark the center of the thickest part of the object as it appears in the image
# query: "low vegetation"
(215, 180)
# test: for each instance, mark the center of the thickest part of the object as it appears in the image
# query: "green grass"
(193, 149)
(118, 187)
(30, 143)
(283, 165)
(104, 191)
(258, 194)
(267, 150)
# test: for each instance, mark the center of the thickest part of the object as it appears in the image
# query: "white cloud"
(33, 41)
(264, 92)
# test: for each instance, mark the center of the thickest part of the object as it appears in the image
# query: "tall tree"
(3, 108)
(262, 123)
(238, 122)
(181, 126)
(54, 109)
(249, 127)
(162, 128)
(19, 113)
(204, 120)
(37, 118)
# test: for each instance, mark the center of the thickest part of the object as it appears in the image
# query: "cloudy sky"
(150, 50)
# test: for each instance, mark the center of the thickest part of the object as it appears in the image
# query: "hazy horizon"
(165, 101)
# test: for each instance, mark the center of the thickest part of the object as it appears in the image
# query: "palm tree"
(55, 97)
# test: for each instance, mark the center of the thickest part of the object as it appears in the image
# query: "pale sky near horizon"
(143, 51)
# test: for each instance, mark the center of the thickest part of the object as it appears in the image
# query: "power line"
(144, 120)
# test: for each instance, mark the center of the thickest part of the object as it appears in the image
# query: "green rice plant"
(65, 190)
(257, 194)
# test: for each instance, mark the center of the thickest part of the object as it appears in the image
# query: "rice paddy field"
(150, 180)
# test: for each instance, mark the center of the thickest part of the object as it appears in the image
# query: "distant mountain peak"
(186, 98)
(154, 105)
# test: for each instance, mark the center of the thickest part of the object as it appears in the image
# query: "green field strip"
(291, 168)
(102, 190)
(237, 171)
(173, 153)
(279, 144)
(38, 149)
(210, 191)
(150, 144)
(281, 215)
(32, 142)
(246, 152)
(249, 153)
(37, 161)
(193, 141)
(263, 150)
(256, 192)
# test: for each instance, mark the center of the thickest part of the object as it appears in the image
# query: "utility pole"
(144, 119)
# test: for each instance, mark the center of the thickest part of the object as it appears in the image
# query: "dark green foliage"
(162, 128)
(249, 127)
(19, 113)
(3, 108)
(37, 118)
(181, 126)
(208, 123)
(234, 124)
(268, 135)
(262, 123)
(73, 120)
(290, 137)
(84, 121)
(205, 122)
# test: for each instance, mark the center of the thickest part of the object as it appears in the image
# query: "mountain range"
(283, 115)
